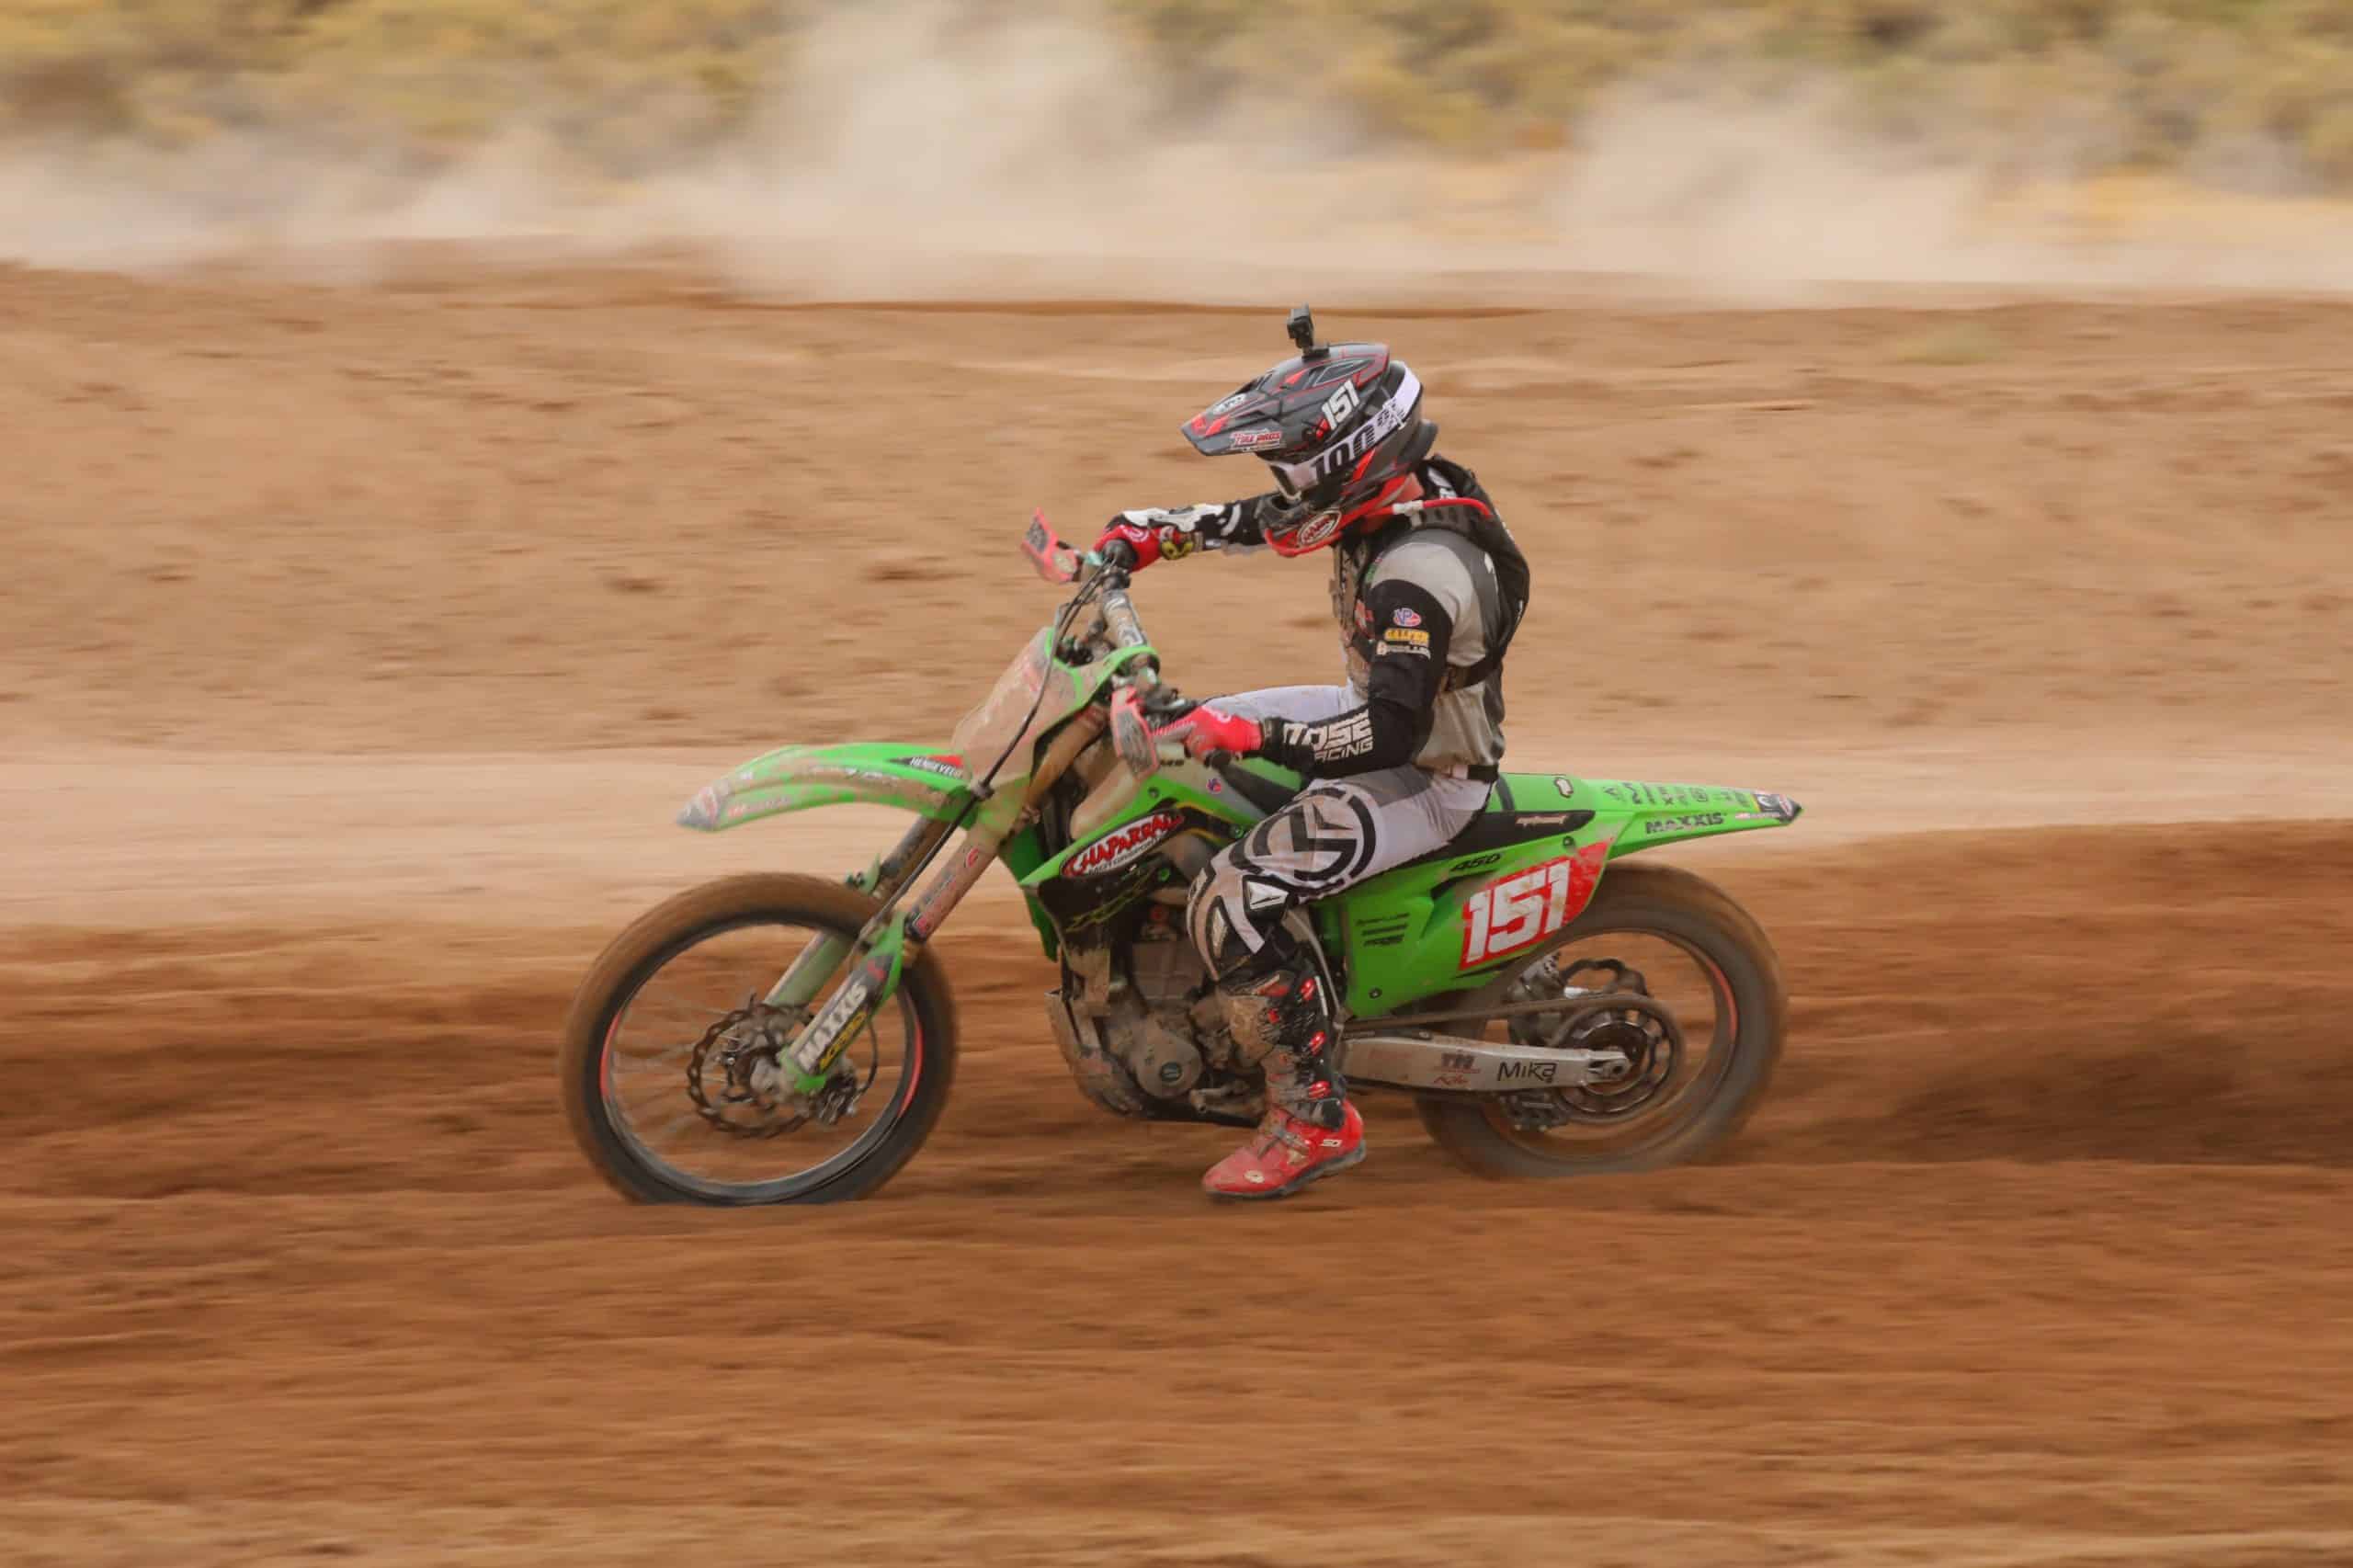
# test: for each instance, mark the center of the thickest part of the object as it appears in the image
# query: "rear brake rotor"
(1650, 1042)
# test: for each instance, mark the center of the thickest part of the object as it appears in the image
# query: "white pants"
(1333, 835)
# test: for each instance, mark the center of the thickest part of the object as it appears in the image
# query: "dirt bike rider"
(1427, 588)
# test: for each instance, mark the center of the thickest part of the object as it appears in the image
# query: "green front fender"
(917, 778)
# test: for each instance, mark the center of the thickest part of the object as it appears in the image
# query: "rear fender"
(1652, 814)
(922, 779)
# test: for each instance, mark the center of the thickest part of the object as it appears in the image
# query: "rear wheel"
(1669, 935)
(665, 1047)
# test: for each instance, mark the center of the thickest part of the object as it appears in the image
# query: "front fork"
(880, 952)
(883, 878)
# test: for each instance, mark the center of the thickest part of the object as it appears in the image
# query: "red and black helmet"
(1341, 426)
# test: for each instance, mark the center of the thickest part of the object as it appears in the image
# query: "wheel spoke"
(690, 1116)
(1670, 1070)
(679, 1065)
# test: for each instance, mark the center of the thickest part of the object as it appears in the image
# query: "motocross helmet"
(1341, 428)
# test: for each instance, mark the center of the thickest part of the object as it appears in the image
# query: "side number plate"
(1524, 908)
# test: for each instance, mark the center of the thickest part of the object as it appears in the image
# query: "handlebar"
(1120, 619)
(1120, 626)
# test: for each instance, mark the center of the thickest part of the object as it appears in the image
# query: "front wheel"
(1673, 936)
(665, 1045)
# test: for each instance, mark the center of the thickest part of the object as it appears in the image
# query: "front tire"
(663, 934)
(1693, 914)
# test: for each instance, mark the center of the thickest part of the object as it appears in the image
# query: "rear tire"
(672, 927)
(1680, 904)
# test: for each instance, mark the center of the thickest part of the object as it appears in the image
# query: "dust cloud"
(1773, 200)
(914, 152)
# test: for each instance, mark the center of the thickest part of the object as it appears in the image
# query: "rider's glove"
(1205, 730)
(1159, 533)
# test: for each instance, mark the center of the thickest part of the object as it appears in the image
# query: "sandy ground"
(356, 647)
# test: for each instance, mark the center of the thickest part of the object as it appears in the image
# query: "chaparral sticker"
(1122, 846)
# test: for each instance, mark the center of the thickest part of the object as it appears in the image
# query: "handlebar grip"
(1119, 552)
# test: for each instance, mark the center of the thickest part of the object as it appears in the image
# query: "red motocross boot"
(1285, 1154)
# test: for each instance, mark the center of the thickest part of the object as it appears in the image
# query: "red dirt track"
(2006, 1272)
(2040, 1255)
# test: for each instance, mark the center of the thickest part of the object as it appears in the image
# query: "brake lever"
(1132, 736)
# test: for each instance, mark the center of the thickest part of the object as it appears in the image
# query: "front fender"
(792, 778)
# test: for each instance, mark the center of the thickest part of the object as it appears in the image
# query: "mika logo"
(1116, 848)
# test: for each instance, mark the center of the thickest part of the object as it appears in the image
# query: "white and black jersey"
(1415, 604)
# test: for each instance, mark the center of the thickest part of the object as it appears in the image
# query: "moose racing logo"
(1116, 848)
(1524, 908)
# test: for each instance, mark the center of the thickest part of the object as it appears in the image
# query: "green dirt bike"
(781, 1039)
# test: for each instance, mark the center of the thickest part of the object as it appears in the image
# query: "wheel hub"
(1649, 1043)
(734, 1070)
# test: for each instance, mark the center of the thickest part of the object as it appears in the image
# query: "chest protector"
(1353, 561)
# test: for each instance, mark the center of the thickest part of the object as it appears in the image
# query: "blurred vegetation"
(2247, 92)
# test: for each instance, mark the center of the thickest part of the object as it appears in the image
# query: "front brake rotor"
(738, 1043)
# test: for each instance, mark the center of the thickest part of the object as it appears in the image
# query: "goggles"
(1296, 482)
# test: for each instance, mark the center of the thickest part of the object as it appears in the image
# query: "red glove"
(1158, 533)
(1205, 730)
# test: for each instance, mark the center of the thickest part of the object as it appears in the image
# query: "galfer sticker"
(1524, 908)
(1119, 846)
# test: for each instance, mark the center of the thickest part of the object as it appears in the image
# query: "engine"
(1134, 1033)
(1165, 966)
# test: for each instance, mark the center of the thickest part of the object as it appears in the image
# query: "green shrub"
(2118, 84)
